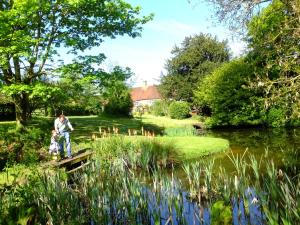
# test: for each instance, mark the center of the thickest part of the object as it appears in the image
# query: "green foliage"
(116, 93)
(88, 88)
(159, 108)
(191, 62)
(221, 213)
(276, 117)
(118, 99)
(22, 146)
(138, 153)
(266, 93)
(77, 110)
(32, 31)
(179, 110)
(39, 94)
(274, 42)
(225, 93)
(82, 81)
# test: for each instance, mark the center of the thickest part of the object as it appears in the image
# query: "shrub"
(179, 110)
(225, 92)
(119, 104)
(159, 108)
(73, 110)
(21, 146)
(276, 117)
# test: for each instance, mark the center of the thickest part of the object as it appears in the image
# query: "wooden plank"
(81, 155)
(78, 168)
(74, 159)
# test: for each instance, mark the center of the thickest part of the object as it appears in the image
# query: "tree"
(275, 54)
(87, 85)
(33, 30)
(236, 14)
(225, 92)
(191, 62)
(116, 93)
(82, 81)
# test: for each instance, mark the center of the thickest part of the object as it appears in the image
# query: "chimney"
(145, 86)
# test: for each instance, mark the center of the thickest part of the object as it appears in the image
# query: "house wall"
(141, 103)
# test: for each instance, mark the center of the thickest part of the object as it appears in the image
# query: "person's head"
(54, 132)
(61, 118)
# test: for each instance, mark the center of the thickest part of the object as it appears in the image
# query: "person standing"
(62, 126)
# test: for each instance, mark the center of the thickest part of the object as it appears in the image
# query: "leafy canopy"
(275, 53)
(191, 62)
(32, 31)
(236, 14)
(225, 92)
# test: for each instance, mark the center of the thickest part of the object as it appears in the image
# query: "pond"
(113, 193)
(281, 144)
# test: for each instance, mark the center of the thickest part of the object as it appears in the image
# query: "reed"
(108, 191)
(142, 153)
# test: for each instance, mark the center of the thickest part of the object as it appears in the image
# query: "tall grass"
(145, 153)
(180, 131)
(111, 192)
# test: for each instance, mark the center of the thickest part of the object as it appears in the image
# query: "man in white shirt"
(62, 126)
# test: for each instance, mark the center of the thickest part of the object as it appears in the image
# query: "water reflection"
(278, 143)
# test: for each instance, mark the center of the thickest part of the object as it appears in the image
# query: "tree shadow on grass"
(85, 127)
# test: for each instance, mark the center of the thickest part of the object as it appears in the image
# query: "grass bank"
(166, 122)
(188, 148)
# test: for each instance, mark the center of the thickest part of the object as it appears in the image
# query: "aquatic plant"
(109, 191)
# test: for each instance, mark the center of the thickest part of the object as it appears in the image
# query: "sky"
(173, 21)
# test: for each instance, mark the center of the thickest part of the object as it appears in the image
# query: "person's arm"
(56, 126)
(69, 125)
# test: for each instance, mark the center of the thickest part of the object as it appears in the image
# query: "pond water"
(282, 145)
(279, 143)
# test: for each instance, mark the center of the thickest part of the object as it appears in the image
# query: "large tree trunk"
(22, 109)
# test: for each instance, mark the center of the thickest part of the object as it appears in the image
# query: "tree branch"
(17, 68)
(50, 41)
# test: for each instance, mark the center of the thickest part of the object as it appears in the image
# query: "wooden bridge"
(77, 162)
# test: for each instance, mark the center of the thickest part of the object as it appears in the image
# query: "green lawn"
(85, 125)
(189, 148)
(167, 122)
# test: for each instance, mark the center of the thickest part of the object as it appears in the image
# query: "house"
(144, 96)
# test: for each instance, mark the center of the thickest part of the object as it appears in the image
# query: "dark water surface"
(278, 143)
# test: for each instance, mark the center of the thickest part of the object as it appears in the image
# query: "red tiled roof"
(145, 93)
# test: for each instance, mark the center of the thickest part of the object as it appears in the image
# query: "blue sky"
(173, 21)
